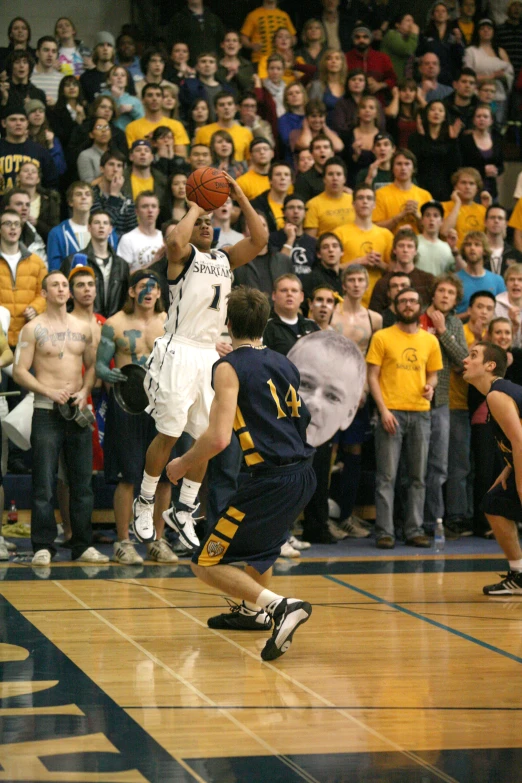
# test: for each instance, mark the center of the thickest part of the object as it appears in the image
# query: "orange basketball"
(208, 188)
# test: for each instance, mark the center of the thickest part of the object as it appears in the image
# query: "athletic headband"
(143, 274)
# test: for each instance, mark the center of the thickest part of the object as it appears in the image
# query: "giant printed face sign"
(333, 374)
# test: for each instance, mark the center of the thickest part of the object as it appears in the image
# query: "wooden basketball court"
(405, 672)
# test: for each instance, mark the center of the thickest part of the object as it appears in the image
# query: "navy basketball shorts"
(258, 518)
(502, 502)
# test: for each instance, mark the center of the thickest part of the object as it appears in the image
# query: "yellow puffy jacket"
(24, 291)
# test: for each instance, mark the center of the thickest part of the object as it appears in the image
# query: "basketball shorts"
(127, 438)
(179, 386)
(502, 502)
(257, 520)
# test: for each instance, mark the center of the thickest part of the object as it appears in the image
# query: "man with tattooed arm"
(128, 338)
(55, 346)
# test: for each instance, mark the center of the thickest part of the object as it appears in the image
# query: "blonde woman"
(331, 84)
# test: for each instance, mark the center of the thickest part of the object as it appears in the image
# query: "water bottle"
(12, 514)
(439, 537)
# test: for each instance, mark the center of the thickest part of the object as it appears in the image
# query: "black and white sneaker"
(182, 519)
(287, 615)
(142, 524)
(241, 618)
(511, 584)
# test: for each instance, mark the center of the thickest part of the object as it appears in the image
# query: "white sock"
(189, 492)
(268, 600)
(515, 565)
(148, 486)
(252, 607)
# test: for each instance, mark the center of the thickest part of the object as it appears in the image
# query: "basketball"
(208, 188)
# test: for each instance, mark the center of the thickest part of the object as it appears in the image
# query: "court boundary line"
(435, 623)
(281, 757)
(377, 734)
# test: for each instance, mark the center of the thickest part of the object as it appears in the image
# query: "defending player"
(178, 381)
(257, 395)
(485, 368)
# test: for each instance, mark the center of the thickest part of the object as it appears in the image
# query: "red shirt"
(373, 63)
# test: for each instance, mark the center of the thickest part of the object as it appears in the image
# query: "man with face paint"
(321, 306)
(128, 338)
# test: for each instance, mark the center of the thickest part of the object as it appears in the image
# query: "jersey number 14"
(292, 401)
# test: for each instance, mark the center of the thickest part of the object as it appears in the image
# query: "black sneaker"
(241, 618)
(461, 527)
(288, 615)
(511, 584)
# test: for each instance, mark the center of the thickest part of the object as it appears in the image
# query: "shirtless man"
(128, 338)
(82, 283)
(357, 323)
(351, 318)
(56, 346)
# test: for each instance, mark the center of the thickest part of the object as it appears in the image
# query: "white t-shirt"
(138, 249)
(229, 237)
(12, 260)
(81, 233)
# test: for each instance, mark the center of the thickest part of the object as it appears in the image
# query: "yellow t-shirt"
(253, 184)
(277, 212)
(458, 390)
(242, 137)
(357, 243)
(139, 185)
(471, 217)
(260, 26)
(326, 213)
(467, 29)
(144, 128)
(404, 359)
(515, 221)
(390, 200)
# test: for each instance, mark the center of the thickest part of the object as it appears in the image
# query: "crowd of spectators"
(370, 143)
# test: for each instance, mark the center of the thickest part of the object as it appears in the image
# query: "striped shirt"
(48, 82)
(509, 37)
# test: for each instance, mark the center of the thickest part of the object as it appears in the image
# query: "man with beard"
(475, 252)
(403, 362)
(376, 65)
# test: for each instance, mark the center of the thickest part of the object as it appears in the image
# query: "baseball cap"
(104, 37)
(484, 22)
(80, 264)
(381, 136)
(141, 143)
(432, 204)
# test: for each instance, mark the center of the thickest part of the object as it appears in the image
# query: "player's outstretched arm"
(505, 413)
(221, 423)
(246, 249)
(178, 240)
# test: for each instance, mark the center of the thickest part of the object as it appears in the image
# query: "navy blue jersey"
(514, 391)
(271, 418)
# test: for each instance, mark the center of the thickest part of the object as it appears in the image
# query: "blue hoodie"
(62, 242)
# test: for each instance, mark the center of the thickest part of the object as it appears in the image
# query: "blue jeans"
(437, 464)
(411, 438)
(50, 434)
(458, 485)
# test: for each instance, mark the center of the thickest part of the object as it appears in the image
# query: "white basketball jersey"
(198, 297)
